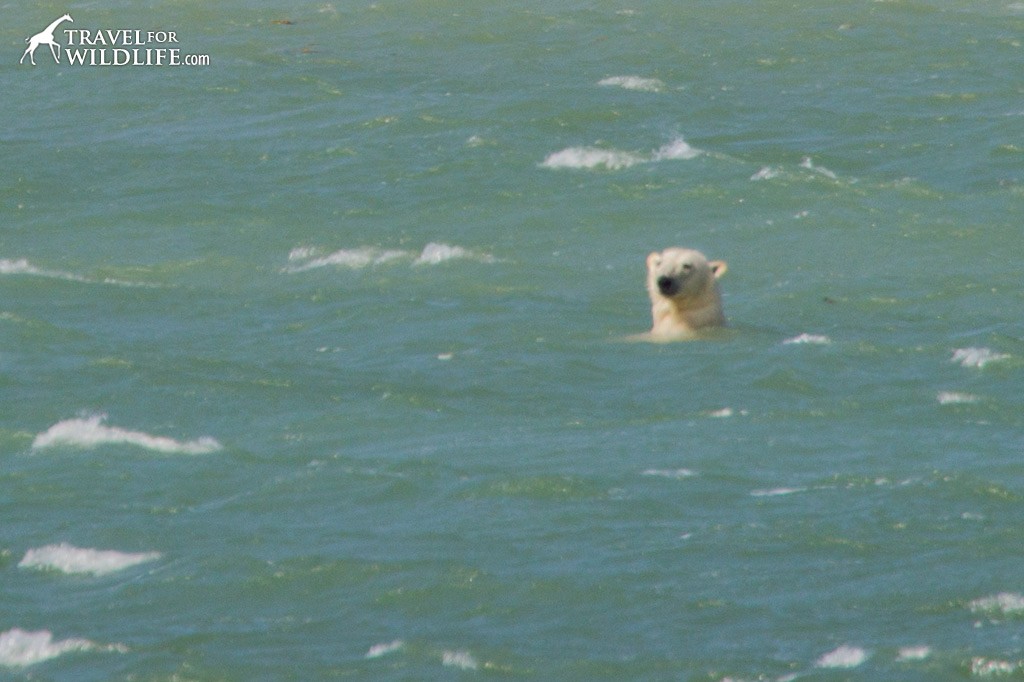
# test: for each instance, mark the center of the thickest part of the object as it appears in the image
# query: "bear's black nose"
(667, 285)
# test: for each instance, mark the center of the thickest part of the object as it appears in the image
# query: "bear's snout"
(667, 285)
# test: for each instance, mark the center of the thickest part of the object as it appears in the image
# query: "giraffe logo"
(44, 36)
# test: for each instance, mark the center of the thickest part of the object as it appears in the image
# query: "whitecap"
(433, 254)
(23, 267)
(305, 258)
(69, 559)
(976, 357)
(956, 398)
(809, 165)
(21, 648)
(677, 149)
(378, 650)
(90, 432)
(776, 492)
(592, 157)
(301, 253)
(634, 83)
(986, 667)
(462, 660)
(843, 657)
(913, 653)
(589, 158)
(677, 474)
(1002, 604)
(813, 339)
(766, 173)
(723, 413)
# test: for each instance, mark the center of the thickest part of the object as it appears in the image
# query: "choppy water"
(311, 358)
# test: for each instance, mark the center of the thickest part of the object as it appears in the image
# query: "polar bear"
(683, 285)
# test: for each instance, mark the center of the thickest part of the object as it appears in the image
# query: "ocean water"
(312, 354)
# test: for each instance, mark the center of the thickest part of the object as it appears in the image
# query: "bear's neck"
(691, 314)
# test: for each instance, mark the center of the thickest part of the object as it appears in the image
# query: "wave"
(634, 83)
(987, 667)
(350, 258)
(463, 660)
(957, 398)
(21, 648)
(379, 650)
(310, 258)
(999, 605)
(677, 474)
(814, 339)
(724, 413)
(90, 432)
(766, 173)
(976, 357)
(21, 266)
(777, 492)
(433, 254)
(913, 653)
(843, 657)
(589, 158)
(74, 560)
(807, 164)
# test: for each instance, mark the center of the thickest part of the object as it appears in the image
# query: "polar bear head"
(683, 285)
(683, 275)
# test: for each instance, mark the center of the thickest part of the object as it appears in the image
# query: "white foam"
(434, 253)
(843, 657)
(809, 165)
(23, 267)
(90, 432)
(677, 149)
(305, 258)
(1002, 604)
(776, 492)
(301, 253)
(976, 357)
(723, 413)
(69, 559)
(589, 158)
(21, 648)
(766, 173)
(985, 667)
(913, 653)
(634, 83)
(462, 660)
(677, 474)
(378, 650)
(813, 339)
(956, 398)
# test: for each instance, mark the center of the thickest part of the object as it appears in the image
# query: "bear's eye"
(687, 267)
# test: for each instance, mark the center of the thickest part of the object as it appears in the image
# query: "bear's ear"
(718, 268)
(653, 260)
